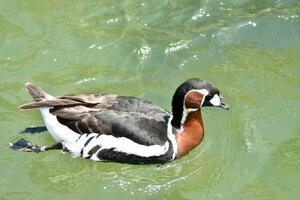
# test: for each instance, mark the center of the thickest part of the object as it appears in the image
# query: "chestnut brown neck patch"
(192, 134)
(193, 100)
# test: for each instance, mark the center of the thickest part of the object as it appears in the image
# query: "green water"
(250, 49)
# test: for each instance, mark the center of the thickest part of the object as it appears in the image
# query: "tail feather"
(37, 93)
(51, 103)
(42, 99)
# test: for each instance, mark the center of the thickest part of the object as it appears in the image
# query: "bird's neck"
(191, 134)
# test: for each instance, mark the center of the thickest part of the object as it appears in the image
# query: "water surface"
(248, 48)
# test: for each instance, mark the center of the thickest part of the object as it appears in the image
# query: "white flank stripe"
(59, 132)
(128, 146)
(120, 144)
(90, 145)
(75, 147)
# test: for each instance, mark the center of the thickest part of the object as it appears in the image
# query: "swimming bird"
(110, 127)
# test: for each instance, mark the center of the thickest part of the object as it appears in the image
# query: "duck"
(124, 129)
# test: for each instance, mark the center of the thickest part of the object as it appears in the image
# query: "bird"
(124, 129)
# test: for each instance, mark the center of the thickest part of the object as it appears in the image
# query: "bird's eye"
(209, 96)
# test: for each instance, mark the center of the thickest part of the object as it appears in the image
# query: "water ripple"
(176, 46)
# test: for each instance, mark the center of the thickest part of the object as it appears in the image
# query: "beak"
(223, 104)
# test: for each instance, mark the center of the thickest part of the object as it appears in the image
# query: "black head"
(192, 95)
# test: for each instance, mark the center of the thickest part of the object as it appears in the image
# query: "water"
(248, 48)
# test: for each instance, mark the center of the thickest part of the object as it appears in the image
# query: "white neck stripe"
(172, 138)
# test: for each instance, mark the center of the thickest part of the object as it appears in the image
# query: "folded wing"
(110, 114)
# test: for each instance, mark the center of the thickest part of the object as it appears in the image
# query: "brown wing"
(121, 116)
(130, 117)
(67, 101)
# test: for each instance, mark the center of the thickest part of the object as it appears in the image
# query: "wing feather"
(133, 118)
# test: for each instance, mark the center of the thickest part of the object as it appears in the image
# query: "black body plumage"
(130, 117)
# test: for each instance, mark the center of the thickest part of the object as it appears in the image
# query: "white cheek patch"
(215, 101)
